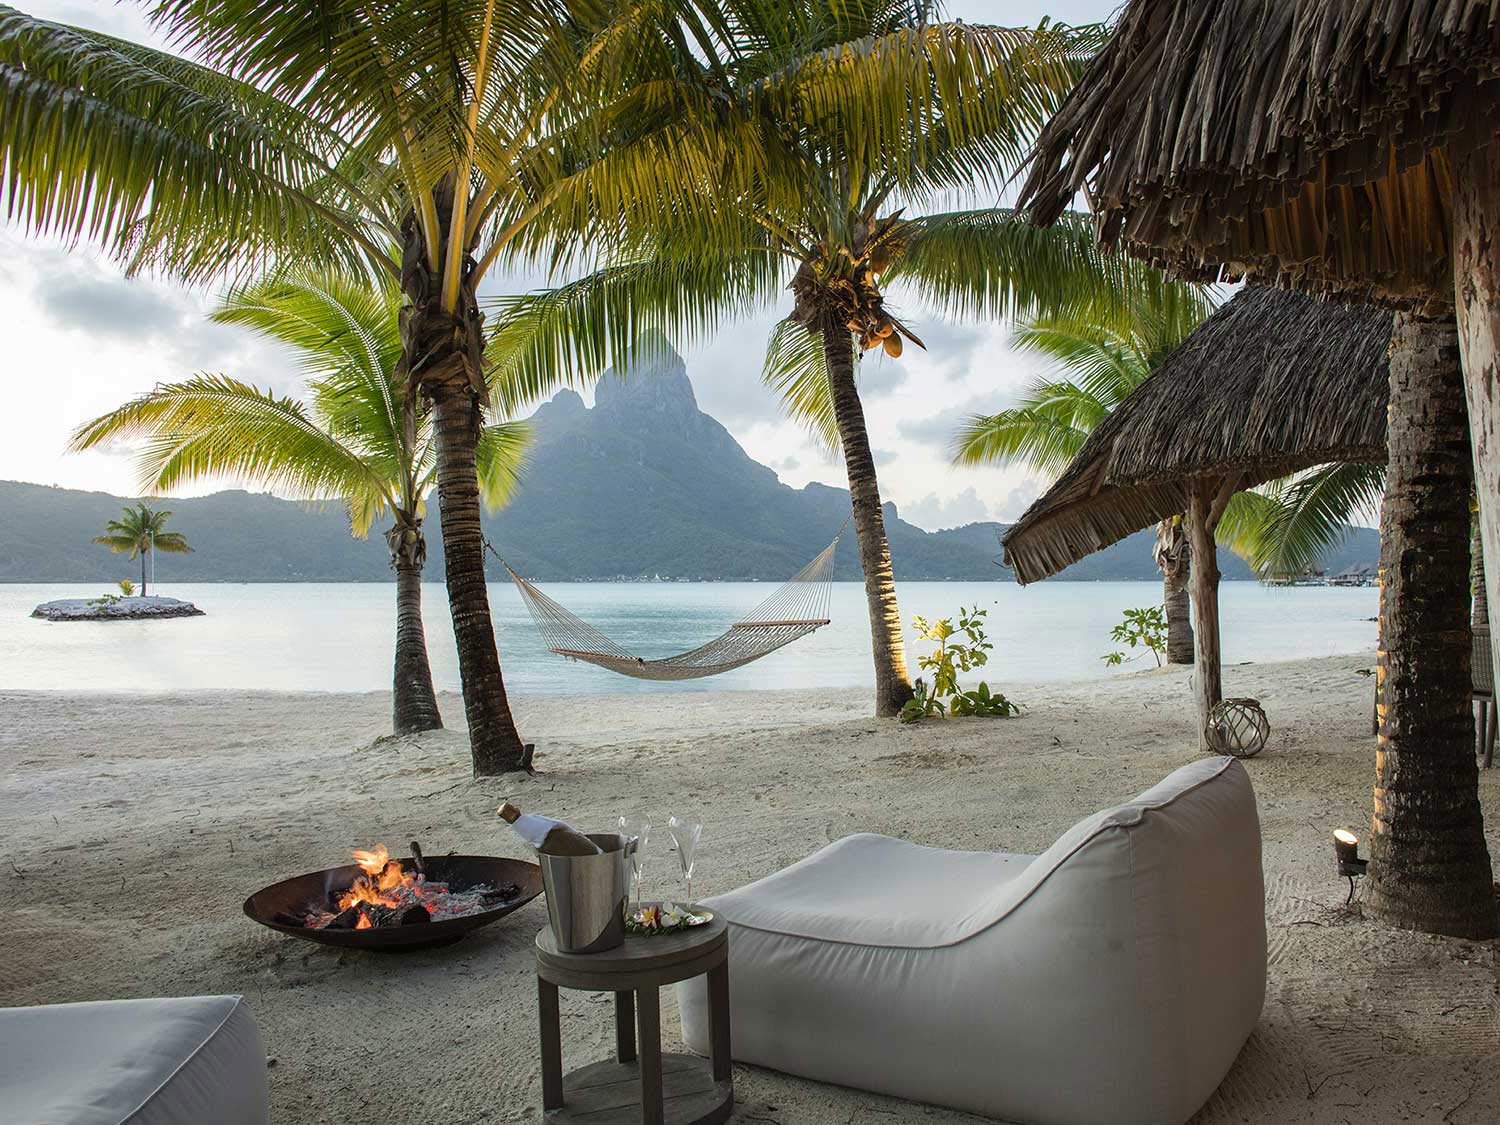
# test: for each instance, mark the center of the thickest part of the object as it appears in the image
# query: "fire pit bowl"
(295, 897)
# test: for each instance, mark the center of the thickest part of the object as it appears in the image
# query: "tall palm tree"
(141, 531)
(849, 147)
(1097, 362)
(356, 439)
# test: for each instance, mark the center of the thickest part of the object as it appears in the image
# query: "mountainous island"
(641, 485)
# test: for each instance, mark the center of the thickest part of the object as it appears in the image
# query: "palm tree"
(848, 146)
(139, 532)
(1098, 362)
(357, 439)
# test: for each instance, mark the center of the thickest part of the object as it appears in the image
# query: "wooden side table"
(640, 1085)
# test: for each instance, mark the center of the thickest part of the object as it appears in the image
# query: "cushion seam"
(167, 1081)
(1090, 838)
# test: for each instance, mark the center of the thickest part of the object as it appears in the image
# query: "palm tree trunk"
(1429, 869)
(1174, 554)
(892, 684)
(443, 355)
(143, 574)
(414, 706)
(1179, 614)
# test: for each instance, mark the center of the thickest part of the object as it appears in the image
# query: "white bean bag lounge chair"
(194, 1060)
(1110, 981)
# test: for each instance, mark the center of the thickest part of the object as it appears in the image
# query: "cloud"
(1018, 500)
(941, 428)
(787, 465)
(934, 514)
(113, 307)
(884, 457)
(880, 375)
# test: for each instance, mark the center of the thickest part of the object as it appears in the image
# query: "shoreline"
(134, 827)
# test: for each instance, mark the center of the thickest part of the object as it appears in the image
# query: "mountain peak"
(654, 378)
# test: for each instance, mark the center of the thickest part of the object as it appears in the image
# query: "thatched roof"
(1306, 142)
(1271, 383)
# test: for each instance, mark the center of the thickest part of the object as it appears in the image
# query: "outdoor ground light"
(1346, 849)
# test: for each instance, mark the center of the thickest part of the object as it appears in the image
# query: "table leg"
(718, 1022)
(625, 1026)
(550, 1018)
(648, 1019)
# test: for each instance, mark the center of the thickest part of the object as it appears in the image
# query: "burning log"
(385, 894)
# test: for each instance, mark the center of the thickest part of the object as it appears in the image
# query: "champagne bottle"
(548, 836)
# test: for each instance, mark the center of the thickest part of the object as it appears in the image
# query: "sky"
(83, 339)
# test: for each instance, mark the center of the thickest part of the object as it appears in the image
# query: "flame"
(382, 875)
(374, 860)
(364, 921)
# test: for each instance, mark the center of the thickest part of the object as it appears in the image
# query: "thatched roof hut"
(1349, 147)
(1306, 141)
(1271, 383)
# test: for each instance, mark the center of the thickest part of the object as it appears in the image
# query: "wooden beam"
(1203, 500)
(1476, 275)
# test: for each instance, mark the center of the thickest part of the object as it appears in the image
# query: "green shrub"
(960, 648)
(1145, 627)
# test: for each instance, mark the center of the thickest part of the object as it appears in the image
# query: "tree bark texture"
(144, 591)
(1207, 680)
(415, 705)
(1429, 869)
(892, 684)
(1174, 556)
(1479, 616)
(1476, 274)
(443, 358)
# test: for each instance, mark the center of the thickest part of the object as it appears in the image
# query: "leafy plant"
(1143, 627)
(982, 702)
(127, 587)
(105, 599)
(960, 648)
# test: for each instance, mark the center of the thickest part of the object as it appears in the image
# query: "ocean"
(340, 636)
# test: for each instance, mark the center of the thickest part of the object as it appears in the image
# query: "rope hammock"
(795, 609)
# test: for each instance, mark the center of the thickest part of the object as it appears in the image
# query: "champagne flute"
(686, 832)
(636, 829)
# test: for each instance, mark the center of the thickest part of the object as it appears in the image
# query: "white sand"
(131, 828)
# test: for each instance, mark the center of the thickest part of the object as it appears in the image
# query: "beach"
(134, 825)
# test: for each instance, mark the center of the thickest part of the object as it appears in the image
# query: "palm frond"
(1045, 431)
(569, 334)
(163, 162)
(502, 456)
(1301, 518)
(214, 426)
(994, 264)
(796, 368)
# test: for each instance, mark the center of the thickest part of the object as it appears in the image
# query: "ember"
(386, 894)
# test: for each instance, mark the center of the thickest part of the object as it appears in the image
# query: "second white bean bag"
(192, 1060)
(1110, 981)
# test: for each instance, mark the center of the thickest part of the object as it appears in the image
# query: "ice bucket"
(586, 895)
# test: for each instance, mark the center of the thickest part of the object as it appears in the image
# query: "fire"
(374, 860)
(386, 894)
(379, 885)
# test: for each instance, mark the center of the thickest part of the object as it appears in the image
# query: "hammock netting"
(798, 607)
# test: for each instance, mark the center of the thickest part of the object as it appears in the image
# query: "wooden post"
(1208, 499)
(549, 1019)
(1476, 275)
